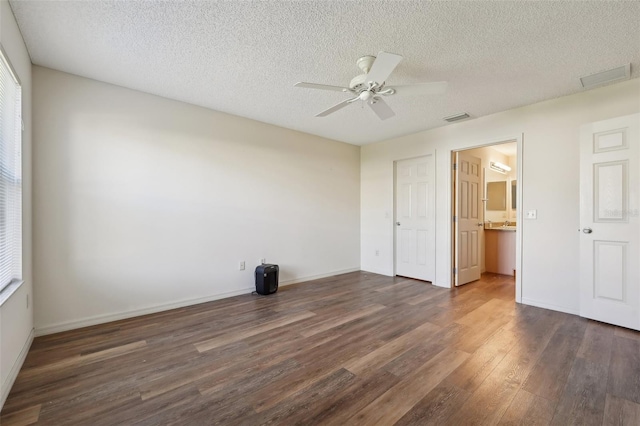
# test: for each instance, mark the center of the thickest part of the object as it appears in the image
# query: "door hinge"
(455, 166)
(455, 219)
(455, 271)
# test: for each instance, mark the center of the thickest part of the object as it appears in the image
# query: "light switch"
(532, 214)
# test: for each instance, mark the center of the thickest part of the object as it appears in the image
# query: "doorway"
(486, 198)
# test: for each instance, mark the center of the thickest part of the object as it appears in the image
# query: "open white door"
(467, 219)
(610, 226)
(415, 240)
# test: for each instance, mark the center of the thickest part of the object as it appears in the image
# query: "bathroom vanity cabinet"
(500, 250)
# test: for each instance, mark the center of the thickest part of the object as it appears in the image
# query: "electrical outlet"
(241, 266)
(377, 252)
(263, 261)
(532, 214)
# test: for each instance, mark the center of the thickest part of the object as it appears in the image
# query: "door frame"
(432, 221)
(519, 213)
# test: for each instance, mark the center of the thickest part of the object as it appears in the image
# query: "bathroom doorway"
(486, 195)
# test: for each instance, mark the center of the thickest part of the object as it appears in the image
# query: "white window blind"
(10, 176)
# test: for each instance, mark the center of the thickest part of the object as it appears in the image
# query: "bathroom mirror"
(497, 196)
(513, 194)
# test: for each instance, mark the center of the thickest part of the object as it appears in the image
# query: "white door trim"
(519, 140)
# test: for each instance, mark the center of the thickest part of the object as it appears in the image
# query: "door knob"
(398, 223)
(587, 230)
(479, 223)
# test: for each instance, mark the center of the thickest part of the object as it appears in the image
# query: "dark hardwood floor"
(354, 349)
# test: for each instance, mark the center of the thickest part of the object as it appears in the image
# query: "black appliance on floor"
(267, 278)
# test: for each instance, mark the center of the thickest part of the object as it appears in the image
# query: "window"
(10, 175)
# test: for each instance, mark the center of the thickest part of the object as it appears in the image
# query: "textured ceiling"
(243, 57)
(509, 149)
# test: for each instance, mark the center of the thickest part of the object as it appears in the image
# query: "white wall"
(16, 319)
(143, 203)
(550, 184)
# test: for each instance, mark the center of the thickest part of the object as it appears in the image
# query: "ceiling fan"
(370, 86)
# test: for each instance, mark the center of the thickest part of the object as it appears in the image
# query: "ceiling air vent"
(457, 117)
(609, 76)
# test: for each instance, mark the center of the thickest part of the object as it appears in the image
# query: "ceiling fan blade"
(322, 87)
(382, 110)
(336, 107)
(383, 66)
(434, 88)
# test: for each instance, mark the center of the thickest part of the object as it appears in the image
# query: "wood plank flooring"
(356, 349)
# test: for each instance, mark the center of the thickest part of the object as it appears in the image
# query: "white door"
(467, 218)
(610, 226)
(415, 209)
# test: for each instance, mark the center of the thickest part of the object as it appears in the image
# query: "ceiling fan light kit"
(369, 87)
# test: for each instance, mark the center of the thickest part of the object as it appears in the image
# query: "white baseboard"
(15, 369)
(550, 306)
(101, 319)
(317, 277)
(378, 271)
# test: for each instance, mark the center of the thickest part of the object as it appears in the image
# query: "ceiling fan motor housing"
(359, 83)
